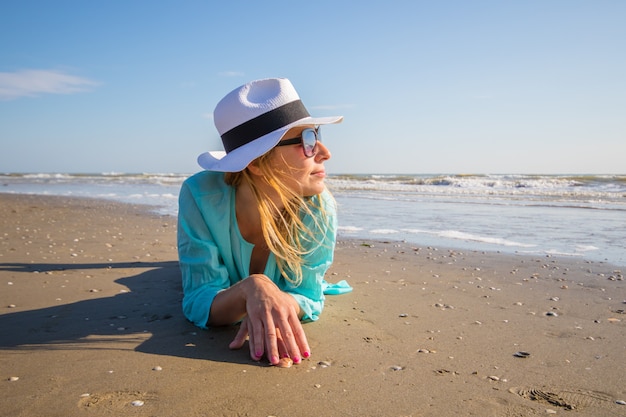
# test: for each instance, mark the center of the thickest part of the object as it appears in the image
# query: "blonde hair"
(284, 230)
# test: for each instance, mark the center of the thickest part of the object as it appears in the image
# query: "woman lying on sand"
(257, 228)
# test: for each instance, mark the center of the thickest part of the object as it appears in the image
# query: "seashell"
(423, 351)
(396, 368)
(620, 402)
(552, 314)
(137, 403)
(285, 363)
(323, 364)
(14, 378)
(157, 368)
(494, 378)
(521, 354)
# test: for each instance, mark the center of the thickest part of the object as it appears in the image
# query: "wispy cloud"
(231, 74)
(31, 83)
(331, 107)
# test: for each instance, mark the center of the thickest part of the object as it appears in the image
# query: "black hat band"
(264, 124)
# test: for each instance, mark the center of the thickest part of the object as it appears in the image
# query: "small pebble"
(396, 368)
(157, 368)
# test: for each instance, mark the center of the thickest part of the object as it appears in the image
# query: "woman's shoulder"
(327, 200)
(206, 182)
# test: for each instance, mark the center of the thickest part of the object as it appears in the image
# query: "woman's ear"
(254, 169)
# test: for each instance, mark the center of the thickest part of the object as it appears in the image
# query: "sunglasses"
(308, 139)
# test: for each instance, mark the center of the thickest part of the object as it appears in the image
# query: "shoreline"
(90, 312)
(153, 210)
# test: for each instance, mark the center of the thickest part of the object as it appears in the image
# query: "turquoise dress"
(214, 256)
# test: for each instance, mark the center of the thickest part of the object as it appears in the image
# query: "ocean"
(582, 216)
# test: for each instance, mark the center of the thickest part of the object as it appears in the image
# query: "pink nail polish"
(295, 359)
(306, 354)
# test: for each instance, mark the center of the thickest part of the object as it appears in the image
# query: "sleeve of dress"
(310, 293)
(202, 267)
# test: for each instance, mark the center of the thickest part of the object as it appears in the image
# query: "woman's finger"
(283, 352)
(271, 344)
(256, 333)
(240, 337)
(299, 336)
(288, 341)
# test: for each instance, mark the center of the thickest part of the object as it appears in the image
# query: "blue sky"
(425, 86)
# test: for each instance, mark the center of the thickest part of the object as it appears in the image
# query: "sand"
(91, 325)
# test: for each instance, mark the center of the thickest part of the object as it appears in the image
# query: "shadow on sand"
(147, 318)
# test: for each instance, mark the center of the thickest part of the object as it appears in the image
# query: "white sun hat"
(252, 119)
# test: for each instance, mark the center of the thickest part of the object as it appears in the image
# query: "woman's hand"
(272, 322)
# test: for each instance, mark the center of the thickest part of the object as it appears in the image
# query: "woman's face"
(304, 175)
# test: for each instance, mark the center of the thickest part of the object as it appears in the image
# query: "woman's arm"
(204, 273)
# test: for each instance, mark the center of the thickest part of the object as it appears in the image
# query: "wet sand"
(91, 324)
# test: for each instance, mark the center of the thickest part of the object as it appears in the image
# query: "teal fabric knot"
(340, 287)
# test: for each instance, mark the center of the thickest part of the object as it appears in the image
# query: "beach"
(92, 326)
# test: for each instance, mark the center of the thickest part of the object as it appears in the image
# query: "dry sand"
(90, 323)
